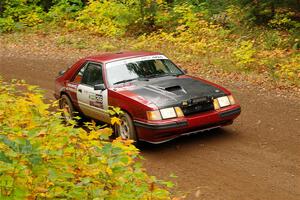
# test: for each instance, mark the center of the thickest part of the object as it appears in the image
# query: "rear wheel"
(67, 107)
(126, 128)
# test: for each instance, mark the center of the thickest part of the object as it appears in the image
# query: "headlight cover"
(154, 115)
(166, 113)
(231, 99)
(223, 102)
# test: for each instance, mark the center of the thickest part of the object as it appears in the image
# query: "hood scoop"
(176, 89)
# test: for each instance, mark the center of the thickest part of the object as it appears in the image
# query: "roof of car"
(108, 57)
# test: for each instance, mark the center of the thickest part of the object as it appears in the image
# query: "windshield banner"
(131, 60)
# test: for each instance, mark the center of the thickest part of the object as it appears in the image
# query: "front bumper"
(164, 130)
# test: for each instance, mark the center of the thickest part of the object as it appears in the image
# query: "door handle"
(80, 90)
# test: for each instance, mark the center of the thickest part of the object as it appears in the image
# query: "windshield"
(139, 68)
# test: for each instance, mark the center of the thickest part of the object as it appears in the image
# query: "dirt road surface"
(258, 157)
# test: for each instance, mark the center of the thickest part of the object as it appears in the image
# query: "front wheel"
(126, 128)
(68, 111)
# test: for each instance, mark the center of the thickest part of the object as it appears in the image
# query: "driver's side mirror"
(99, 87)
(185, 71)
(60, 73)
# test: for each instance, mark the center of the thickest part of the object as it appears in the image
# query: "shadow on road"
(207, 137)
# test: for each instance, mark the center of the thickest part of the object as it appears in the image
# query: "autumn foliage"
(234, 35)
(42, 158)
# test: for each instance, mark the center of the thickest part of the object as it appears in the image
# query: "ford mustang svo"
(159, 100)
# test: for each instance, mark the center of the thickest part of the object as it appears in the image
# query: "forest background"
(248, 36)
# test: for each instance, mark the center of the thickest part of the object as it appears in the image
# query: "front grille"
(197, 108)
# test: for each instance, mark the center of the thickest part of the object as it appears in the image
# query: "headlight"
(216, 104)
(231, 99)
(223, 102)
(153, 115)
(179, 112)
(166, 113)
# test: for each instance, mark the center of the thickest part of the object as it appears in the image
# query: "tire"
(68, 111)
(126, 130)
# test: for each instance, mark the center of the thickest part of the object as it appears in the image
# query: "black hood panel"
(171, 91)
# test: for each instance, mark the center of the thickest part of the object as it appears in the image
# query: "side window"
(92, 74)
(78, 77)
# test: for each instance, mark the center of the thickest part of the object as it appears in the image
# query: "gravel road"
(258, 157)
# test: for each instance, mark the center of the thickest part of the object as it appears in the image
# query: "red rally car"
(160, 102)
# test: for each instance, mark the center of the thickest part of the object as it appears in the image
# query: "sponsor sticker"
(96, 100)
(130, 60)
(92, 96)
(99, 98)
(72, 87)
(96, 104)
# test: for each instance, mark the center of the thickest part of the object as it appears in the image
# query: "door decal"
(72, 87)
(96, 104)
(99, 98)
(92, 97)
(96, 100)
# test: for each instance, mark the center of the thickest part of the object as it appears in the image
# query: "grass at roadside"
(212, 56)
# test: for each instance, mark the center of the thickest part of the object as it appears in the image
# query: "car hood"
(171, 91)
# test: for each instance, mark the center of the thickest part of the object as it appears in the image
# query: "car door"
(72, 85)
(93, 103)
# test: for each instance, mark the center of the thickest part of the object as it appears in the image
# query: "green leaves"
(109, 18)
(4, 158)
(41, 158)
(244, 54)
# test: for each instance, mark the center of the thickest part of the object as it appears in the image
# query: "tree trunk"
(142, 8)
(1, 8)
(272, 9)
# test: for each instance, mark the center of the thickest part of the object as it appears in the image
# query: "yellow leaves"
(30, 19)
(49, 183)
(36, 100)
(115, 120)
(3, 147)
(106, 132)
(89, 171)
(40, 190)
(83, 135)
(45, 158)
(289, 70)
(114, 111)
(24, 107)
(103, 17)
(108, 171)
(1, 114)
(73, 140)
(42, 133)
(121, 140)
(31, 88)
(285, 65)
(159, 1)
(181, 28)
(95, 134)
(57, 190)
(244, 54)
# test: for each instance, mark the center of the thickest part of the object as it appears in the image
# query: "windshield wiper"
(162, 75)
(132, 79)
(125, 81)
